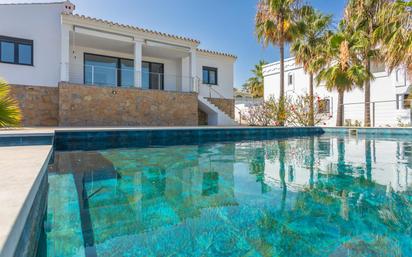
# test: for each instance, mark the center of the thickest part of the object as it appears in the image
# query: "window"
(16, 51)
(209, 76)
(324, 147)
(127, 72)
(25, 53)
(108, 71)
(152, 75)
(290, 79)
(403, 101)
(324, 106)
(400, 77)
(7, 53)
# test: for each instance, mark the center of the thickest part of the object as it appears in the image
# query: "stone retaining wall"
(225, 105)
(100, 106)
(39, 105)
(83, 105)
(203, 119)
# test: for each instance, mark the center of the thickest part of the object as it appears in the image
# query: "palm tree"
(344, 70)
(362, 19)
(254, 85)
(275, 24)
(395, 34)
(309, 46)
(10, 115)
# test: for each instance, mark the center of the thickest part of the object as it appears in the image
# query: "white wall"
(225, 77)
(40, 23)
(383, 88)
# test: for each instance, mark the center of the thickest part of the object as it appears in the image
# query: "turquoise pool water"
(309, 196)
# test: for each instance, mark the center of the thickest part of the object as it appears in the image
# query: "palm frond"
(10, 115)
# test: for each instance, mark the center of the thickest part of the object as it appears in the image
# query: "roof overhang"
(104, 26)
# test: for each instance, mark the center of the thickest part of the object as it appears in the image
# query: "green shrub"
(10, 115)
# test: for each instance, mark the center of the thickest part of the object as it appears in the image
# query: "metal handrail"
(77, 72)
(371, 102)
(222, 96)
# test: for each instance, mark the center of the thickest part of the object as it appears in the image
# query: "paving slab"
(22, 169)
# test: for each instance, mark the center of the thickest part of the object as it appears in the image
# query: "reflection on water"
(319, 196)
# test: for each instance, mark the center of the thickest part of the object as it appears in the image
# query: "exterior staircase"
(216, 117)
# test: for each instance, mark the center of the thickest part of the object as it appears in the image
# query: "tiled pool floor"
(310, 196)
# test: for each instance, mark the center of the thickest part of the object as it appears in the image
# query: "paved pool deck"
(51, 130)
(22, 169)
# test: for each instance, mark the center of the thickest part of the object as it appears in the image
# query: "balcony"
(106, 76)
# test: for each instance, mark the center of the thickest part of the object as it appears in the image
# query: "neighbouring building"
(390, 94)
(68, 69)
(243, 102)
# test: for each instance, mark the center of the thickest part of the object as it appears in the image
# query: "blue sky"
(223, 25)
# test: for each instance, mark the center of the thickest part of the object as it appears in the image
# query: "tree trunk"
(311, 100)
(282, 72)
(367, 88)
(368, 159)
(339, 120)
(282, 173)
(282, 85)
(341, 155)
(311, 162)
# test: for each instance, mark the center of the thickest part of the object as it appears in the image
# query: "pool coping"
(45, 135)
(24, 167)
(35, 131)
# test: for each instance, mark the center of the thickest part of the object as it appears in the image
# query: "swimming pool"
(320, 195)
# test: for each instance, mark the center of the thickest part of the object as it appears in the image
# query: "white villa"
(53, 58)
(389, 94)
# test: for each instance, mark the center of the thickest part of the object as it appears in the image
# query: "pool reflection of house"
(384, 162)
(139, 194)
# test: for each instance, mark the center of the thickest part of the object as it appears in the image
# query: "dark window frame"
(150, 72)
(16, 42)
(290, 79)
(118, 66)
(209, 69)
(401, 101)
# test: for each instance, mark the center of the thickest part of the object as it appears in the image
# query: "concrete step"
(216, 117)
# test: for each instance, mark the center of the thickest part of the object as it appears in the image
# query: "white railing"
(389, 113)
(106, 76)
(248, 101)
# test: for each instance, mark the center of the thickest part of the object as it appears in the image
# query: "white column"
(138, 44)
(186, 76)
(193, 67)
(65, 52)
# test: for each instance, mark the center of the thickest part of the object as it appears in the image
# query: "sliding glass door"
(108, 71)
(100, 70)
(152, 75)
(112, 71)
(126, 73)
